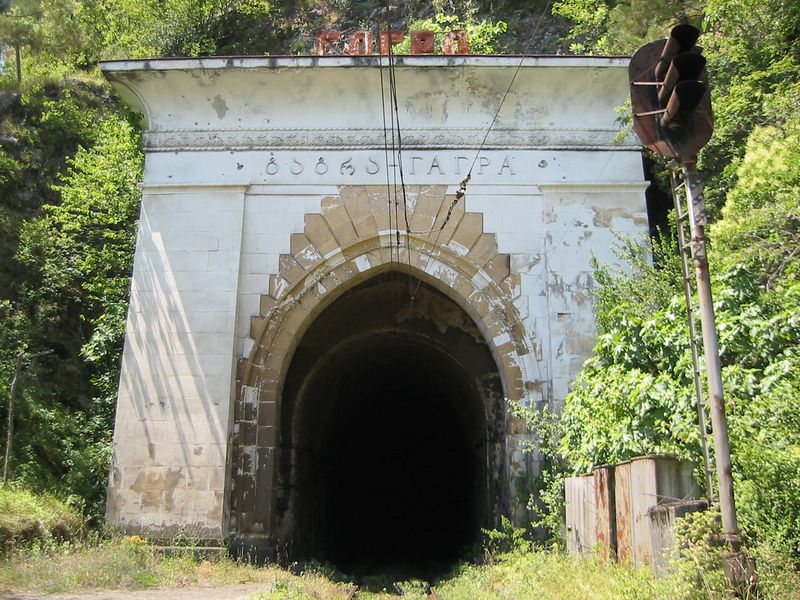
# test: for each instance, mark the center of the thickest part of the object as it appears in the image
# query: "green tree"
(621, 26)
(634, 396)
(44, 33)
(79, 254)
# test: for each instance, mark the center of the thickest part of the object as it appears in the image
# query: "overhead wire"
(386, 158)
(462, 189)
(396, 130)
(396, 153)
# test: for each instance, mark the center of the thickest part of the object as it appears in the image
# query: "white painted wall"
(238, 151)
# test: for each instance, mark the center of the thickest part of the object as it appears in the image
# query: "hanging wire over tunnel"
(397, 150)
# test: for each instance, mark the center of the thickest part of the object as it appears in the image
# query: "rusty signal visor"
(684, 67)
(669, 95)
(681, 39)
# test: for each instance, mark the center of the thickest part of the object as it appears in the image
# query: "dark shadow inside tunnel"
(399, 465)
(391, 440)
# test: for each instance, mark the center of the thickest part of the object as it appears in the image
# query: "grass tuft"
(26, 518)
(133, 563)
(540, 575)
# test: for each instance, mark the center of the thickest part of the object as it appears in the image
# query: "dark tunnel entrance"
(394, 415)
(400, 464)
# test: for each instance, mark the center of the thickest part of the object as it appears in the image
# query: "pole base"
(741, 573)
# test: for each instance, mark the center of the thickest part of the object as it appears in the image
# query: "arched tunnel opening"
(392, 433)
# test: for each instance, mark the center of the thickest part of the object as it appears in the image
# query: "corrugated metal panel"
(644, 495)
(676, 480)
(622, 487)
(618, 506)
(662, 529)
(655, 480)
(580, 513)
(605, 517)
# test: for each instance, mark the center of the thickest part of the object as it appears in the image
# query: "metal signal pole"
(719, 422)
(672, 116)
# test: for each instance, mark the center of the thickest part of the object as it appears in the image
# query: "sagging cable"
(460, 193)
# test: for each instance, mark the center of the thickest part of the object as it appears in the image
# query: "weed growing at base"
(522, 574)
(130, 563)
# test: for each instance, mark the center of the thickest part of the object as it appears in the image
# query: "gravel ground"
(222, 592)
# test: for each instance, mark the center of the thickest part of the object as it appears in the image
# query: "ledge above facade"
(342, 102)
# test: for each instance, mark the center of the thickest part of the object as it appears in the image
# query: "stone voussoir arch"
(351, 239)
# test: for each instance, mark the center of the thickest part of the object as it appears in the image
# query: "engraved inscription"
(413, 164)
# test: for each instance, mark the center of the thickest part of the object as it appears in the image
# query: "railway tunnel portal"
(394, 417)
(321, 352)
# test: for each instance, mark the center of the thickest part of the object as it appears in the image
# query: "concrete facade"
(268, 198)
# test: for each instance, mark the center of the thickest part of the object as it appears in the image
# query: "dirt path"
(220, 592)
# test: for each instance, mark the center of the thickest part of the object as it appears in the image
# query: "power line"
(510, 85)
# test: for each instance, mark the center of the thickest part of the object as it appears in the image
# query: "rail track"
(430, 592)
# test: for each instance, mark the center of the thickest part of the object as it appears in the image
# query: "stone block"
(511, 286)
(499, 267)
(335, 214)
(483, 250)
(429, 212)
(267, 414)
(319, 234)
(380, 206)
(291, 271)
(295, 318)
(266, 304)
(266, 462)
(278, 286)
(244, 461)
(247, 432)
(450, 223)
(304, 252)
(469, 230)
(268, 390)
(359, 207)
(344, 272)
(268, 435)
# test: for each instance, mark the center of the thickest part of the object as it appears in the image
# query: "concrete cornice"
(340, 102)
(418, 61)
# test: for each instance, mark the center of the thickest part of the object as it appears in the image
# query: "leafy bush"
(484, 36)
(635, 396)
(78, 256)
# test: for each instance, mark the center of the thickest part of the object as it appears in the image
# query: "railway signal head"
(669, 94)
